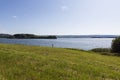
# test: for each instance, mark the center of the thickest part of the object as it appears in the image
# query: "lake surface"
(79, 43)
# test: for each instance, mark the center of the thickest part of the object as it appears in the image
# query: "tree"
(116, 45)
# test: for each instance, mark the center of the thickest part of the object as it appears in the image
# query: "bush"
(116, 45)
(101, 50)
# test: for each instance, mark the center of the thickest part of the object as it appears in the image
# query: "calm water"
(80, 43)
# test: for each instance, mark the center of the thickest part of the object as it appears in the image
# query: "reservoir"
(79, 43)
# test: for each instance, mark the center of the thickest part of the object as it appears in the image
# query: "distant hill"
(87, 36)
(27, 36)
(5, 35)
(32, 36)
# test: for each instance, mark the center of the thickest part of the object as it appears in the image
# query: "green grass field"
(20, 62)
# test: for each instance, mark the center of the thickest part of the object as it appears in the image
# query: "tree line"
(26, 36)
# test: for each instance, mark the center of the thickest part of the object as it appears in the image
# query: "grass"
(20, 62)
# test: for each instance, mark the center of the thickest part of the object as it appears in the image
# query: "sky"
(60, 17)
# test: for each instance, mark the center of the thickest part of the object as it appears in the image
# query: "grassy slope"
(19, 62)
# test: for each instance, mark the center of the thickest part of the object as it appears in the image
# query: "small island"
(27, 36)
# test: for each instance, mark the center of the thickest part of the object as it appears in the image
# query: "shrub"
(116, 45)
(101, 50)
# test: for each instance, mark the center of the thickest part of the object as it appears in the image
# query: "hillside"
(20, 62)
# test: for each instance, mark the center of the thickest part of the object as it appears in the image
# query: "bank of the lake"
(21, 62)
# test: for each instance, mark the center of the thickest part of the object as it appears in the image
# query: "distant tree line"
(26, 36)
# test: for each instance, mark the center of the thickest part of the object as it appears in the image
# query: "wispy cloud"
(14, 17)
(64, 8)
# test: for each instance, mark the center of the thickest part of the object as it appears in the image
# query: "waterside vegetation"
(114, 50)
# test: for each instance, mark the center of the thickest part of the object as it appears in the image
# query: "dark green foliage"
(116, 45)
(47, 37)
(101, 50)
(26, 36)
(105, 51)
(5, 35)
(32, 36)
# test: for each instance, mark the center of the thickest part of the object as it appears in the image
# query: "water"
(79, 43)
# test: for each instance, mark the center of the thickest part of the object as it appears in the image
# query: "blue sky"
(60, 17)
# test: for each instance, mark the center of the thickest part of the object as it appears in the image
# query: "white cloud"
(64, 8)
(14, 17)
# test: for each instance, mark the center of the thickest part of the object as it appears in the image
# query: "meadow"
(22, 62)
